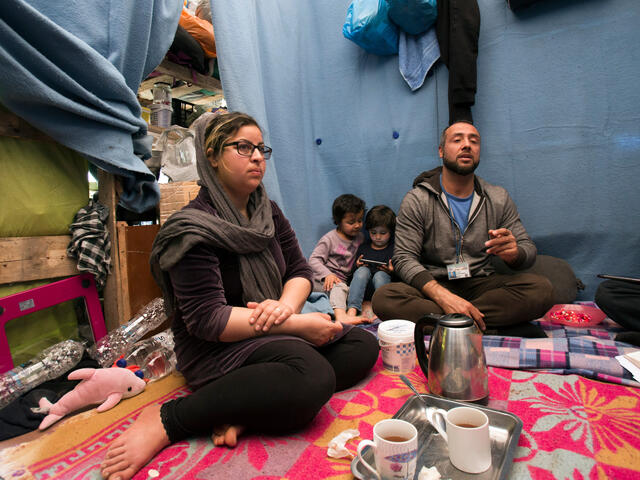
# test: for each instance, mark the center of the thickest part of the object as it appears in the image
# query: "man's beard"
(459, 169)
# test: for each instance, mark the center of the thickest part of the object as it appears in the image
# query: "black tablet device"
(374, 263)
(618, 277)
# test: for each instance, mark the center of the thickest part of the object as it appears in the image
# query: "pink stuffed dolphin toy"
(106, 386)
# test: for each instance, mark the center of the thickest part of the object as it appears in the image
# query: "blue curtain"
(558, 109)
(72, 69)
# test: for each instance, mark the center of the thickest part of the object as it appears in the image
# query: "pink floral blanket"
(574, 428)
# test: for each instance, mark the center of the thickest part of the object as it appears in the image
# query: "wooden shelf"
(23, 259)
(183, 73)
(169, 72)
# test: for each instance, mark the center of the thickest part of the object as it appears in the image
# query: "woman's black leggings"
(280, 388)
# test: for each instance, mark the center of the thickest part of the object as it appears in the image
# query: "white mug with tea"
(395, 448)
(466, 431)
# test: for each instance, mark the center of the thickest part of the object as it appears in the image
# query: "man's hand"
(451, 303)
(503, 244)
(329, 281)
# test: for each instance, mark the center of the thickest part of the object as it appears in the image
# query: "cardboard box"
(174, 196)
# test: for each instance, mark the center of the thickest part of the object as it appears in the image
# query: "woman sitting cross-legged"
(235, 280)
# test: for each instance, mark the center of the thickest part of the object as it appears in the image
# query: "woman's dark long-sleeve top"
(207, 285)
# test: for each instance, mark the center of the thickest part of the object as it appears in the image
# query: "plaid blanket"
(589, 352)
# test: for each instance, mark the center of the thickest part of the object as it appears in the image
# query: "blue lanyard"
(458, 243)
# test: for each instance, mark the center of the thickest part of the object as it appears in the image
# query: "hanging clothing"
(416, 55)
(90, 242)
(458, 30)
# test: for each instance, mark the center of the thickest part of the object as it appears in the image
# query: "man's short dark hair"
(344, 204)
(381, 216)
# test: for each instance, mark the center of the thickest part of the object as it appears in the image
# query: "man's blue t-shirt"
(459, 208)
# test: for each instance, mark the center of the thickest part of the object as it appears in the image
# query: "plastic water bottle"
(154, 356)
(51, 363)
(118, 341)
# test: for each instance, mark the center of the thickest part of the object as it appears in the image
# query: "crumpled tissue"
(430, 473)
(337, 448)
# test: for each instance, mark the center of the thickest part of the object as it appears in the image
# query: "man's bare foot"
(135, 447)
(227, 435)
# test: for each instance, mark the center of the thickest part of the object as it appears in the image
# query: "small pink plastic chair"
(39, 298)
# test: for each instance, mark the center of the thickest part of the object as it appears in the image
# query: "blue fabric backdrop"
(72, 69)
(558, 109)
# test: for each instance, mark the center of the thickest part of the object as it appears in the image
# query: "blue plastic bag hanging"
(413, 16)
(368, 25)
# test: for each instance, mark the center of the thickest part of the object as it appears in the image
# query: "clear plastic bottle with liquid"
(154, 356)
(51, 363)
(118, 341)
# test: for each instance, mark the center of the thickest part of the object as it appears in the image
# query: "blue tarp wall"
(558, 108)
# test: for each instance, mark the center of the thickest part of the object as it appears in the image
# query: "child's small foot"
(356, 320)
(367, 311)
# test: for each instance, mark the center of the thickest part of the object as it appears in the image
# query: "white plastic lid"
(396, 331)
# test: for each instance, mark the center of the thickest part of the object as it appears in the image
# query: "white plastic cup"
(396, 341)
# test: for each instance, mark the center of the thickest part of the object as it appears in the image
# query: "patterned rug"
(574, 428)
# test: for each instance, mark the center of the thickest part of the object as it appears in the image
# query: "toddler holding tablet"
(373, 267)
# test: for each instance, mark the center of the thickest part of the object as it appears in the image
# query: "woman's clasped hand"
(267, 313)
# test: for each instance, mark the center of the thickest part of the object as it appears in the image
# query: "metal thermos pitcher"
(456, 367)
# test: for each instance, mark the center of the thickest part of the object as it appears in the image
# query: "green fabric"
(32, 333)
(43, 185)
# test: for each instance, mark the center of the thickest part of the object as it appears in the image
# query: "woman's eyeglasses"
(246, 148)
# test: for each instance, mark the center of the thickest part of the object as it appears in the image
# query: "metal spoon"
(413, 389)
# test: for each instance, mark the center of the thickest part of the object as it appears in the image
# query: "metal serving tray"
(504, 430)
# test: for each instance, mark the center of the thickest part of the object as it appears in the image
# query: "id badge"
(458, 270)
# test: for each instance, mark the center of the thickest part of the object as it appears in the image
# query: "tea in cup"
(395, 448)
(466, 431)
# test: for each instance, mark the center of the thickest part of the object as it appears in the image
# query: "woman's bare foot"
(227, 435)
(135, 447)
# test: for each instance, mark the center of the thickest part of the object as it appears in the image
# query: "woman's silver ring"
(277, 309)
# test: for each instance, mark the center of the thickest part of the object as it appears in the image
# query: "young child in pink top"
(332, 258)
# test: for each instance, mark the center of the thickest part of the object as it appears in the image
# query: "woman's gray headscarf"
(231, 231)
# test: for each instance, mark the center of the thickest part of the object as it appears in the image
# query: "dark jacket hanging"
(458, 29)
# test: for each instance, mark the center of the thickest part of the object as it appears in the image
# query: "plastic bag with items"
(368, 26)
(413, 16)
(178, 157)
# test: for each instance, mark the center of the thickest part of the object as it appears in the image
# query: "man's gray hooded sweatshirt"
(427, 236)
